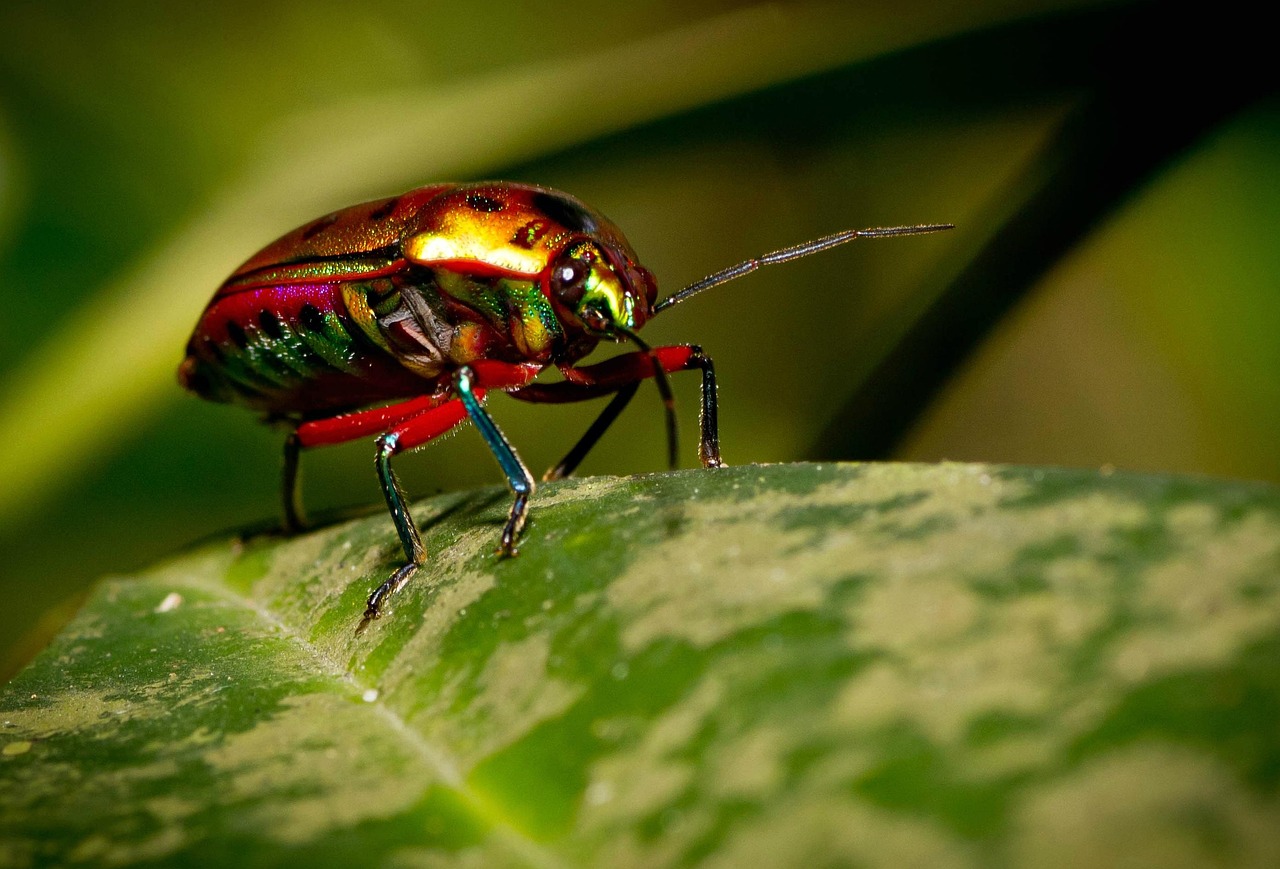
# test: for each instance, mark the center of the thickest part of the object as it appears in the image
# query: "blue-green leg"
(518, 476)
(414, 552)
(408, 434)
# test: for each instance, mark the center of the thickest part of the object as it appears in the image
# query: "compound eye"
(568, 280)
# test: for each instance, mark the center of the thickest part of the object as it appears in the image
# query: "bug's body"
(385, 299)
(426, 300)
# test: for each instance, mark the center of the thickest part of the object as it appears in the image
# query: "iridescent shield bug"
(392, 319)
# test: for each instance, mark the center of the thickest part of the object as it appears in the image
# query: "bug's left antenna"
(795, 252)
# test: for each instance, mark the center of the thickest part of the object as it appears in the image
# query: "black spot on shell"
(319, 226)
(384, 209)
(237, 335)
(271, 325)
(354, 332)
(380, 290)
(480, 202)
(564, 211)
(310, 317)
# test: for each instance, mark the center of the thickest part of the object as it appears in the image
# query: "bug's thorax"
(546, 272)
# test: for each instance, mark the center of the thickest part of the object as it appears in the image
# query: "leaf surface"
(879, 665)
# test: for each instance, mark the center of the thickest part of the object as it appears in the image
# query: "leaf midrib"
(501, 828)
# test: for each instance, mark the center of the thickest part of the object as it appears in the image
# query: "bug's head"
(598, 287)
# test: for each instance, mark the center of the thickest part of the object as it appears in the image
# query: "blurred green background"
(1109, 298)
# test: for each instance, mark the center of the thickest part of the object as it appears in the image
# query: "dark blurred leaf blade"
(1136, 349)
(955, 665)
(1107, 149)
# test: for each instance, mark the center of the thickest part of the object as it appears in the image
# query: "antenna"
(789, 253)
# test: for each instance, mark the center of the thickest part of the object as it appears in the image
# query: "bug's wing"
(360, 241)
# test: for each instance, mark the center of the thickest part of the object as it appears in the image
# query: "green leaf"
(877, 665)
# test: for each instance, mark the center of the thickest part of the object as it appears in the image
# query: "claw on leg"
(515, 525)
(373, 609)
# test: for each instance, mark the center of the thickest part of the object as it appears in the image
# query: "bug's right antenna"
(789, 253)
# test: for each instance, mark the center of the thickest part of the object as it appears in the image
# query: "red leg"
(402, 426)
(375, 420)
(428, 425)
(615, 375)
(630, 367)
(363, 423)
(336, 430)
(491, 374)
(604, 378)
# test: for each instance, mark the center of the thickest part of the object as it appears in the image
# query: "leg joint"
(464, 379)
(388, 445)
(699, 359)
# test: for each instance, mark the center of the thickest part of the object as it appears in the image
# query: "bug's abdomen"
(291, 350)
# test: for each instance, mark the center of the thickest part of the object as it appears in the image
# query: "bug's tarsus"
(373, 609)
(787, 254)
(516, 518)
